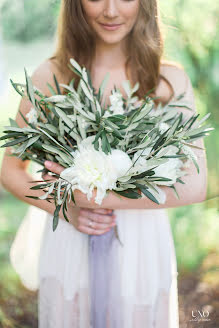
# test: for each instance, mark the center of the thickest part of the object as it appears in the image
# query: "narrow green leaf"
(149, 195)
(130, 193)
(57, 85)
(75, 65)
(64, 117)
(56, 217)
(86, 91)
(14, 142)
(52, 91)
(103, 84)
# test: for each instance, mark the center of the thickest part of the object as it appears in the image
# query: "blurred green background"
(191, 31)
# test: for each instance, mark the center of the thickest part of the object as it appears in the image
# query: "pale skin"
(109, 56)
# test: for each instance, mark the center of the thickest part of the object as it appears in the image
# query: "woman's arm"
(194, 189)
(14, 175)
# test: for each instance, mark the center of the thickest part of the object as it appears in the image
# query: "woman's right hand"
(102, 220)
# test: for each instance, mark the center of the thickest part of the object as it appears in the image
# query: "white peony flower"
(116, 103)
(121, 161)
(171, 169)
(94, 169)
(32, 116)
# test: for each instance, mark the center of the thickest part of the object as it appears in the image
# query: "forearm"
(16, 181)
(186, 197)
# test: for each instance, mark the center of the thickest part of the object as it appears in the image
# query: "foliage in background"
(192, 39)
(27, 21)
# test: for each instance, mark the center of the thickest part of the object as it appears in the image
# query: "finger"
(54, 167)
(95, 225)
(102, 210)
(100, 218)
(47, 177)
(90, 231)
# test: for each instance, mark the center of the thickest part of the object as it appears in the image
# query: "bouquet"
(129, 147)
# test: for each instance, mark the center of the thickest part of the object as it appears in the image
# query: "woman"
(131, 48)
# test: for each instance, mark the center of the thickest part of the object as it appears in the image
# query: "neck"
(110, 56)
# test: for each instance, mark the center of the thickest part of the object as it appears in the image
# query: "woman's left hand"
(80, 198)
(52, 167)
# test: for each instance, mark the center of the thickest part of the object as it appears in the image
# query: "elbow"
(3, 179)
(201, 194)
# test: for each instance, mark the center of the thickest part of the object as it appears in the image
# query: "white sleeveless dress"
(56, 263)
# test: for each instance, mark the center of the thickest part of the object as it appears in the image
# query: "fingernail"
(48, 164)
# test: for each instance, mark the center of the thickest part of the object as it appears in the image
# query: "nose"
(110, 9)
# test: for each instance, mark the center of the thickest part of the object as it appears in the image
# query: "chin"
(110, 39)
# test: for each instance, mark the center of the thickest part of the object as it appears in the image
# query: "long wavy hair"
(76, 39)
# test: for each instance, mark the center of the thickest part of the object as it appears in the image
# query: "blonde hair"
(76, 39)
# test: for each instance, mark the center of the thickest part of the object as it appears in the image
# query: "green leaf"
(175, 191)
(22, 130)
(57, 85)
(52, 128)
(14, 142)
(144, 174)
(25, 120)
(97, 116)
(61, 127)
(75, 65)
(103, 84)
(199, 130)
(196, 164)
(13, 123)
(40, 186)
(15, 86)
(30, 89)
(66, 158)
(81, 129)
(86, 91)
(56, 217)
(32, 197)
(105, 144)
(149, 195)
(127, 87)
(64, 117)
(180, 181)
(52, 91)
(129, 193)
(11, 135)
(32, 141)
(55, 141)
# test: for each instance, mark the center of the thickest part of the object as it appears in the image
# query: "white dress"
(56, 263)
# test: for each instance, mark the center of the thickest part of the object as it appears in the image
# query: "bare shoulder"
(173, 76)
(44, 73)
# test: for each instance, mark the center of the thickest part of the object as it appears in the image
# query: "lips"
(110, 26)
